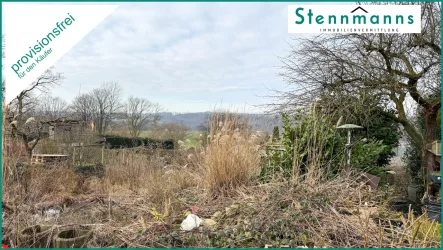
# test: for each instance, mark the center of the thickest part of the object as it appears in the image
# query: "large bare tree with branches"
(139, 113)
(101, 105)
(389, 70)
(51, 107)
(20, 112)
(107, 103)
(83, 107)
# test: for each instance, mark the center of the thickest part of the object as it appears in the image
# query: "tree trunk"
(29, 151)
(433, 130)
(27, 147)
(432, 133)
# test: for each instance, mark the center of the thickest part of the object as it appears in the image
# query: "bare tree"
(139, 113)
(106, 104)
(51, 107)
(83, 107)
(101, 105)
(387, 69)
(18, 115)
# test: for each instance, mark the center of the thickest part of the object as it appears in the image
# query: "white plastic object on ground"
(192, 221)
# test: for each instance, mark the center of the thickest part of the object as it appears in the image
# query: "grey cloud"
(155, 49)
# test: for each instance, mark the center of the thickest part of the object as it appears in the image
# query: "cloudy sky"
(188, 57)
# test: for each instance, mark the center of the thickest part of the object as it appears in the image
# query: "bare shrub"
(232, 157)
(150, 176)
(139, 113)
(36, 184)
(125, 168)
(58, 180)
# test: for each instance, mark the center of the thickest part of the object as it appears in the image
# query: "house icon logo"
(359, 8)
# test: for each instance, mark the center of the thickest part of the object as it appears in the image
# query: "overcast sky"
(188, 57)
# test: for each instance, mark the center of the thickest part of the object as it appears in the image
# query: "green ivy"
(365, 156)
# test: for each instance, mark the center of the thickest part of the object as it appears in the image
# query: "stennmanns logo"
(354, 19)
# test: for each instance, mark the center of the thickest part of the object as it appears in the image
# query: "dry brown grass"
(337, 213)
(56, 181)
(231, 157)
(311, 212)
(38, 183)
(123, 205)
(155, 176)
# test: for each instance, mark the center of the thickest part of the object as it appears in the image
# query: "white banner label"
(354, 19)
(36, 36)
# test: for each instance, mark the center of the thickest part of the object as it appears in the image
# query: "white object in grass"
(192, 221)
